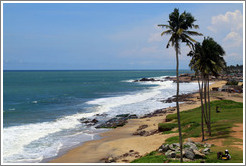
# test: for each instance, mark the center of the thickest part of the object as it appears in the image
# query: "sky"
(122, 36)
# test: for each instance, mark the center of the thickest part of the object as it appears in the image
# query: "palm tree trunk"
(206, 104)
(202, 107)
(177, 105)
(209, 110)
(203, 94)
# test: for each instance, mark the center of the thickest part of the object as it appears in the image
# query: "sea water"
(41, 109)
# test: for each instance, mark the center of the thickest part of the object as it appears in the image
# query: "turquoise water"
(41, 108)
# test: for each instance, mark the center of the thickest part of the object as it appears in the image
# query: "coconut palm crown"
(178, 28)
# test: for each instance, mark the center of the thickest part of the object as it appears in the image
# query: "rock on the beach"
(88, 122)
(142, 127)
(119, 120)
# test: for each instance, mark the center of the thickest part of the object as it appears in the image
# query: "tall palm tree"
(196, 55)
(207, 59)
(215, 63)
(178, 27)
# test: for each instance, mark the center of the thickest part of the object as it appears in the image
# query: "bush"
(166, 126)
(232, 82)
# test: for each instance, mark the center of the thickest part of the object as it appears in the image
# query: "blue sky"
(110, 36)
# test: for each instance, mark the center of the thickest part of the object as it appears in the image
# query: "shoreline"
(120, 142)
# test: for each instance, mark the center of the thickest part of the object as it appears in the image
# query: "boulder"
(188, 153)
(147, 79)
(206, 151)
(164, 148)
(170, 154)
(199, 144)
(118, 120)
(174, 146)
(198, 155)
(206, 145)
(88, 122)
(142, 127)
(191, 145)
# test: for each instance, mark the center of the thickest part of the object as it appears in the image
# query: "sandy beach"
(121, 142)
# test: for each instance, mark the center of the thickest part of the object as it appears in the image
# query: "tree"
(207, 59)
(178, 27)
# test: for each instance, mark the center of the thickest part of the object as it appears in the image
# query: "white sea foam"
(17, 139)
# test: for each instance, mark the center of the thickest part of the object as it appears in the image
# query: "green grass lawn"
(221, 124)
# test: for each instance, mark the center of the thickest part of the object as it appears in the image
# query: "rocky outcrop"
(122, 157)
(182, 98)
(145, 133)
(146, 79)
(191, 150)
(155, 113)
(88, 122)
(119, 120)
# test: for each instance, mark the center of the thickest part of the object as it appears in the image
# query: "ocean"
(41, 109)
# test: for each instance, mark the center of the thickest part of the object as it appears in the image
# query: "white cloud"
(232, 21)
(233, 39)
(228, 30)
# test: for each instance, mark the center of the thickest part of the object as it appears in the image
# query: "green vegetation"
(207, 59)
(231, 113)
(234, 69)
(166, 126)
(232, 82)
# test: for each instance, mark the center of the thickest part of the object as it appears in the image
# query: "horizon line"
(87, 69)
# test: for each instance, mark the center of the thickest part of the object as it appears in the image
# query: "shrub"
(232, 82)
(166, 126)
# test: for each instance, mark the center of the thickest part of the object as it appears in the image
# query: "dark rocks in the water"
(88, 122)
(119, 120)
(147, 79)
(113, 123)
(182, 98)
(103, 115)
(123, 115)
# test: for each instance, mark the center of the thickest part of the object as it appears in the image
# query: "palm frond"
(166, 32)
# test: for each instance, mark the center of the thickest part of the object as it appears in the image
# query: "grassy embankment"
(231, 113)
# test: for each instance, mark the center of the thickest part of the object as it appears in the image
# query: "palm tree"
(207, 59)
(196, 55)
(178, 27)
(215, 64)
